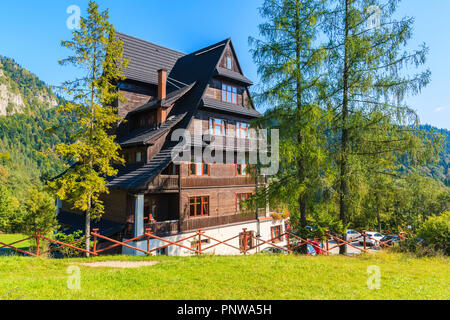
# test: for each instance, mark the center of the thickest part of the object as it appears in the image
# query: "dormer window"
(138, 157)
(229, 93)
(229, 63)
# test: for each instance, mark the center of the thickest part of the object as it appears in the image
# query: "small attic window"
(229, 63)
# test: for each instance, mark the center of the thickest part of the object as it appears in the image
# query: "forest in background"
(26, 133)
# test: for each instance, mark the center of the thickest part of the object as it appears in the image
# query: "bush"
(431, 239)
(71, 238)
(436, 232)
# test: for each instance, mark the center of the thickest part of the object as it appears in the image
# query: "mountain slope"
(441, 170)
(21, 91)
(26, 113)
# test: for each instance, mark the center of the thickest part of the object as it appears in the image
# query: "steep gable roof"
(225, 73)
(229, 107)
(146, 58)
(148, 135)
(171, 98)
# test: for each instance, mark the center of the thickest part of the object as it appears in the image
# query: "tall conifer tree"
(289, 64)
(97, 52)
(367, 84)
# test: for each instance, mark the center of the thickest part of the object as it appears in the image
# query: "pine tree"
(289, 64)
(92, 150)
(368, 83)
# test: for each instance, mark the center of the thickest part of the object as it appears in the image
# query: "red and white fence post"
(94, 233)
(38, 236)
(147, 236)
(364, 239)
(199, 247)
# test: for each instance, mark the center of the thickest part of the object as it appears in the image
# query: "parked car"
(352, 234)
(391, 238)
(372, 239)
(274, 250)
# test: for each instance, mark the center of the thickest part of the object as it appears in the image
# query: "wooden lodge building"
(167, 90)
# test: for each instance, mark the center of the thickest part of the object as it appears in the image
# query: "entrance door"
(151, 207)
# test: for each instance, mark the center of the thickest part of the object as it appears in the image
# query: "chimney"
(161, 112)
(162, 76)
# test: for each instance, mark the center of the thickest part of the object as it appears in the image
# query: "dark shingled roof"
(225, 73)
(138, 177)
(146, 58)
(145, 136)
(229, 107)
(171, 98)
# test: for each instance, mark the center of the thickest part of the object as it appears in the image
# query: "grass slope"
(239, 277)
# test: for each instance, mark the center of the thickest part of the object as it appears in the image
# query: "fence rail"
(293, 242)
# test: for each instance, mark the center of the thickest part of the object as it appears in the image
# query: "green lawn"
(239, 277)
(10, 238)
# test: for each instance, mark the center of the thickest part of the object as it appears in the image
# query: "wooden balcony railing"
(165, 182)
(162, 227)
(231, 142)
(199, 182)
(173, 226)
(206, 222)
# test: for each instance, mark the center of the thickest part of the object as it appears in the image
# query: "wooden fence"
(293, 241)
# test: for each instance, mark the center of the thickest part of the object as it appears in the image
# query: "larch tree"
(92, 150)
(289, 63)
(368, 64)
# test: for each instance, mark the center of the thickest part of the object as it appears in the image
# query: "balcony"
(206, 222)
(165, 182)
(200, 182)
(162, 227)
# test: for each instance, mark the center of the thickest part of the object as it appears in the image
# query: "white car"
(372, 239)
(352, 234)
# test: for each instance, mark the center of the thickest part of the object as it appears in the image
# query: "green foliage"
(71, 238)
(38, 213)
(8, 208)
(440, 170)
(436, 232)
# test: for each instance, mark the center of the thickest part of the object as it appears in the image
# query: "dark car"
(391, 240)
(272, 250)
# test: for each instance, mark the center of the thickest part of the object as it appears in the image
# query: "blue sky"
(31, 32)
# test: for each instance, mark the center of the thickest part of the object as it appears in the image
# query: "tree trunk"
(343, 201)
(378, 213)
(300, 162)
(87, 228)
